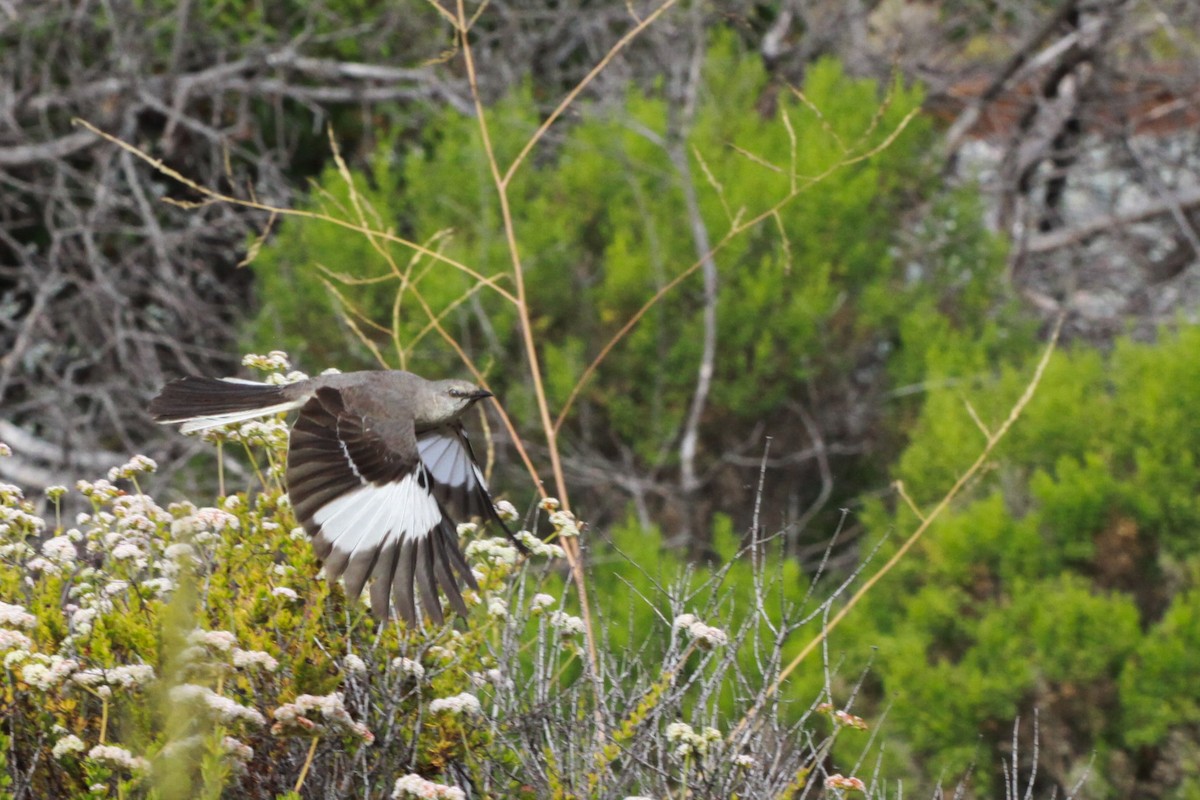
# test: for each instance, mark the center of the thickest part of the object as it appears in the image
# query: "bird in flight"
(377, 463)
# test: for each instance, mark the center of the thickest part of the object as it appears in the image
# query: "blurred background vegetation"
(1050, 170)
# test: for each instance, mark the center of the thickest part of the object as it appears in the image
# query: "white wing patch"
(371, 515)
(447, 460)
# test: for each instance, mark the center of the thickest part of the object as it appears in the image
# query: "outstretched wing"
(458, 482)
(367, 501)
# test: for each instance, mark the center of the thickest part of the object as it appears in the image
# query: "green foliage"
(602, 224)
(1066, 581)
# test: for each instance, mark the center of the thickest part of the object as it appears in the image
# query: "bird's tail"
(202, 403)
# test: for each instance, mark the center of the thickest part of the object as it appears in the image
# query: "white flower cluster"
(224, 709)
(706, 636)
(14, 616)
(689, 743)
(17, 520)
(839, 783)
(129, 676)
(118, 757)
(61, 551)
(497, 608)
(354, 665)
(567, 624)
(496, 552)
(315, 713)
(100, 491)
(537, 547)
(285, 593)
(542, 601)
(506, 511)
(67, 745)
(274, 361)
(414, 787)
(133, 467)
(745, 762)
(271, 433)
(5, 450)
(213, 642)
(15, 646)
(408, 668)
(254, 659)
(46, 672)
(459, 704)
(564, 523)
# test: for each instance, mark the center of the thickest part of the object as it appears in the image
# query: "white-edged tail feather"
(193, 424)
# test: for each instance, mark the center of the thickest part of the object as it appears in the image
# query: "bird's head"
(450, 398)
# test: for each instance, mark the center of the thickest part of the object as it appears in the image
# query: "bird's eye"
(457, 393)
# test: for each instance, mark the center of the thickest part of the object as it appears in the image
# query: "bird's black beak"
(480, 394)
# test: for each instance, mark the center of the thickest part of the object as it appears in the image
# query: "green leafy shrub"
(1063, 587)
(806, 298)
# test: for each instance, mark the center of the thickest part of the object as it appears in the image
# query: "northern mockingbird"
(376, 463)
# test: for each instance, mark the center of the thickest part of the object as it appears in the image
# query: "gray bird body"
(377, 462)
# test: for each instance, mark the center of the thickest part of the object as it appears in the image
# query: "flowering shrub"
(194, 650)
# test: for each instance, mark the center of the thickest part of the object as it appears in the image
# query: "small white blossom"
(275, 361)
(354, 664)
(46, 673)
(506, 511)
(537, 547)
(223, 708)
(414, 787)
(745, 762)
(61, 550)
(118, 757)
(247, 659)
(494, 551)
(285, 593)
(309, 713)
(218, 641)
(82, 619)
(239, 750)
(14, 616)
(406, 666)
(541, 601)
(497, 608)
(129, 676)
(550, 504)
(690, 743)
(5, 450)
(67, 744)
(841, 783)
(466, 529)
(564, 523)
(16, 641)
(567, 624)
(42, 566)
(113, 588)
(465, 703)
(706, 636)
(136, 465)
(180, 551)
(127, 551)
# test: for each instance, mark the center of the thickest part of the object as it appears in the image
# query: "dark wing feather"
(367, 500)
